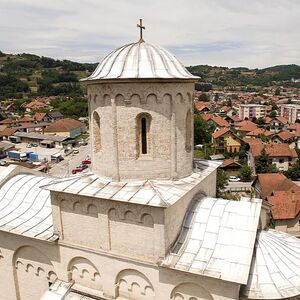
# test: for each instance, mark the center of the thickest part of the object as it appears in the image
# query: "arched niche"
(179, 98)
(190, 291)
(151, 98)
(120, 99)
(31, 269)
(132, 284)
(84, 273)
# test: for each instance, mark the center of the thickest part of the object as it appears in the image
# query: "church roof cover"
(275, 269)
(140, 60)
(25, 208)
(217, 239)
(160, 192)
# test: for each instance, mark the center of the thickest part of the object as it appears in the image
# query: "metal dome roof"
(140, 60)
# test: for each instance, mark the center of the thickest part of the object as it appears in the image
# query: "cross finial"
(141, 29)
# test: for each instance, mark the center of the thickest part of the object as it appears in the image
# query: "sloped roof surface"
(220, 132)
(64, 125)
(25, 209)
(162, 193)
(275, 269)
(217, 239)
(286, 204)
(273, 150)
(275, 182)
(140, 60)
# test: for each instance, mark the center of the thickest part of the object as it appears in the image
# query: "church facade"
(145, 223)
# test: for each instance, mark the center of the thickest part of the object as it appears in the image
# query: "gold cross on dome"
(141, 29)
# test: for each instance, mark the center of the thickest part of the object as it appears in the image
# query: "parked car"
(34, 145)
(3, 163)
(86, 162)
(28, 146)
(79, 169)
(75, 151)
(234, 179)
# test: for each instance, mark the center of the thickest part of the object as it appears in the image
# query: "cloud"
(255, 33)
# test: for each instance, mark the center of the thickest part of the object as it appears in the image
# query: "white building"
(145, 224)
(291, 112)
(251, 111)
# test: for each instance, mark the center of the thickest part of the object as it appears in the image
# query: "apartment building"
(290, 111)
(251, 111)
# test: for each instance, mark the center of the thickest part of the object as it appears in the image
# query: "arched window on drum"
(188, 131)
(143, 134)
(96, 132)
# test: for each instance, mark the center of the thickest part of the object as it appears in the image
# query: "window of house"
(281, 160)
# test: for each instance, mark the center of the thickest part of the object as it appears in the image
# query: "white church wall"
(118, 106)
(175, 213)
(27, 267)
(129, 229)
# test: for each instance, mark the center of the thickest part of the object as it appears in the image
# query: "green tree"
(245, 173)
(277, 92)
(203, 97)
(273, 113)
(222, 181)
(294, 172)
(202, 131)
(263, 165)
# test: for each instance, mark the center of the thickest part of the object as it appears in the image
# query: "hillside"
(230, 77)
(27, 75)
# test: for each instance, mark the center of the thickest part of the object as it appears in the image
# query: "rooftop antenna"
(141, 30)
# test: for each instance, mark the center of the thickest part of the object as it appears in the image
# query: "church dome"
(140, 60)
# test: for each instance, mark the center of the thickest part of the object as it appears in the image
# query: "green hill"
(27, 75)
(229, 77)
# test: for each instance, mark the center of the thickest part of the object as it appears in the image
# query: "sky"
(232, 33)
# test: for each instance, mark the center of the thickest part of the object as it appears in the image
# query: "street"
(238, 186)
(65, 167)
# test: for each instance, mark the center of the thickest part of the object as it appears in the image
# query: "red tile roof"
(7, 121)
(267, 120)
(220, 121)
(270, 183)
(286, 204)
(220, 132)
(228, 162)
(273, 150)
(248, 127)
(7, 131)
(285, 135)
(64, 125)
(282, 120)
(259, 131)
(39, 116)
(26, 119)
(207, 117)
(200, 105)
(36, 105)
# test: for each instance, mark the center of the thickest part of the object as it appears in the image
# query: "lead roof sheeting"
(140, 60)
(160, 193)
(25, 208)
(275, 271)
(215, 238)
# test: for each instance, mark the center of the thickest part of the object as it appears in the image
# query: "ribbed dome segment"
(140, 60)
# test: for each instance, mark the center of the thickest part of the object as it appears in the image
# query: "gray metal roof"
(41, 137)
(162, 193)
(217, 238)
(25, 208)
(275, 270)
(140, 60)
